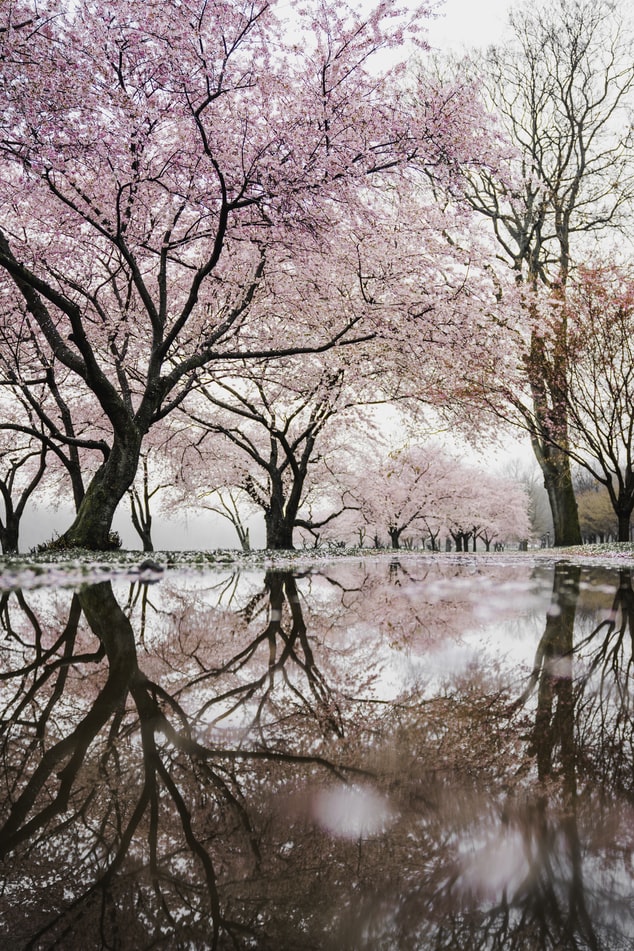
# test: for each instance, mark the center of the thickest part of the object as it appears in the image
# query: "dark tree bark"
(14, 507)
(395, 536)
(624, 525)
(279, 529)
(92, 527)
(461, 540)
(555, 466)
(9, 533)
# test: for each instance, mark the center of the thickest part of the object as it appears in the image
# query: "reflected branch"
(239, 779)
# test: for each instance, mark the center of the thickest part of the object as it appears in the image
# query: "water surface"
(418, 754)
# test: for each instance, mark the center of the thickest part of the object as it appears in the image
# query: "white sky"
(468, 23)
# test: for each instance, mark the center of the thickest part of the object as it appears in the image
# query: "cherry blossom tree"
(404, 490)
(288, 418)
(229, 504)
(42, 402)
(261, 432)
(491, 508)
(422, 488)
(152, 479)
(207, 476)
(166, 167)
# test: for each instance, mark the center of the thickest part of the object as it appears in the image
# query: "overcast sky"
(464, 23)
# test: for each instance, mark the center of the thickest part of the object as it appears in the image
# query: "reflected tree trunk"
(553, 743)
(62, 761)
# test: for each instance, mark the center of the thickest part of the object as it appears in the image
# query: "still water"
(422, 754)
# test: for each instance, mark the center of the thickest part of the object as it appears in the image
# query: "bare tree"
(561, 88)
(600, 391)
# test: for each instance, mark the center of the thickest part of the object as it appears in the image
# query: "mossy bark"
(555, 466)
(92, 527)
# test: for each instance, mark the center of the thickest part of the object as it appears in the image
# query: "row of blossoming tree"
(225, 231)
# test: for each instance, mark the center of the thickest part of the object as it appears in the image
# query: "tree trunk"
(549, 434)
(280, 517)
(555, 466)
(146, 539)
(279, 529)
(624, 526)
(140, 510)
(142, 522)
(563, 506)
(243, 537)
(93, 524)
(395, 537)
(9, 533)
(554, 720)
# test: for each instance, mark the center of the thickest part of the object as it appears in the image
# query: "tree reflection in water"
(279, 766)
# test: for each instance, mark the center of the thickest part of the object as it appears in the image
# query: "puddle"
(364, 755)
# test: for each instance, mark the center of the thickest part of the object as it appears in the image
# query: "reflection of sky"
(377, 630)
(435, 806)
(421, 624)
(447, 624)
